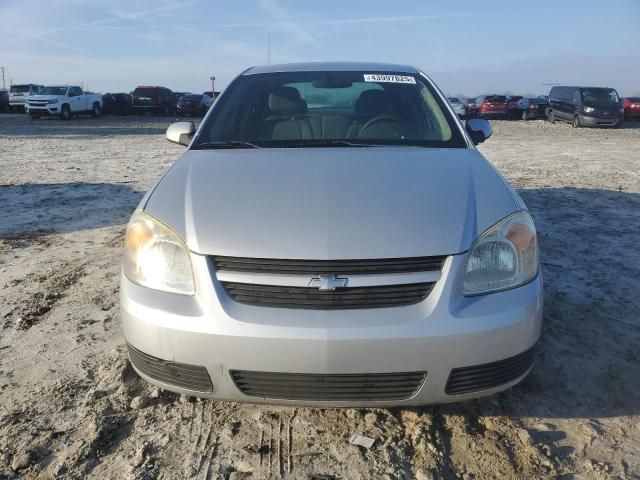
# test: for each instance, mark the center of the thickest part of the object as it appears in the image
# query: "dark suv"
(586, 106)
(159, 100)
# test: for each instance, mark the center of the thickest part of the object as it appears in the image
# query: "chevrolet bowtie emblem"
(328, 282)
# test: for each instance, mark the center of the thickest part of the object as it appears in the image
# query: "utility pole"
(269, 49)
(4, 87)
(213, 87)
(550, 84)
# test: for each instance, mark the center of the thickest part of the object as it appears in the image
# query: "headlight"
(52, 101)
(588, 109)
(156, 257)
(503, 257)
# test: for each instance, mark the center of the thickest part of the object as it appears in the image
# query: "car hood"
(331, 203)
(44, 97)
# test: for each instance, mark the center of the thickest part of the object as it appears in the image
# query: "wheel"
(95, 112)
(165, 110)
(552, 117)
(525, 115)
(65, 112)
(576, 122)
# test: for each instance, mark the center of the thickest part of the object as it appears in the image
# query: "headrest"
(286, 99)
(374, 102)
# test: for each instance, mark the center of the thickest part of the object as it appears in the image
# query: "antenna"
(4, 87)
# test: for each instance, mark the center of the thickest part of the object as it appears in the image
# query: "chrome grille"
(378, 296)
(331, 267)
(328, 387)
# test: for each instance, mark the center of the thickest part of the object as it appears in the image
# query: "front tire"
(65, 112)
(95, 111)
(576, 122)
(552, 117)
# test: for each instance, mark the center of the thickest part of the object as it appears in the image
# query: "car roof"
(331, 67)
(588, 88)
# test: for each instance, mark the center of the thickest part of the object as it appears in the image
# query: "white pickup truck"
(63, 101)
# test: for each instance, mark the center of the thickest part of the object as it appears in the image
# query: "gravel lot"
(72, 407)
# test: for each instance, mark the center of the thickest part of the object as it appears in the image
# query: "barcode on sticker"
(377, 77)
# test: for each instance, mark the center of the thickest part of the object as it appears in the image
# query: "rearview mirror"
(479, 129)
(181, 133)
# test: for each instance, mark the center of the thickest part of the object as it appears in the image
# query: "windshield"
(19, 88)
(599, 95)
(53, 91)
(196, 98)
(145, 92)
(454, 100)
(495, 98)
(297, 109)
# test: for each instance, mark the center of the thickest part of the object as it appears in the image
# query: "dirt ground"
(72, 407)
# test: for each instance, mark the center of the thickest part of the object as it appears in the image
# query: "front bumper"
(588, 121)
(43, 110)
(444, 332)
(189, 110)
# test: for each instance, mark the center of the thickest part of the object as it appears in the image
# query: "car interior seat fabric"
(379, 118)
(285, 121)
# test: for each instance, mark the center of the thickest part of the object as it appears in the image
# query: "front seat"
(376, 117)
(286, 120)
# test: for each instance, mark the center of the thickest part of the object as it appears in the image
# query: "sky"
(468, 47)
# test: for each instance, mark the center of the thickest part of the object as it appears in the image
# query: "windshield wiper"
(331, 143)
(225, 144)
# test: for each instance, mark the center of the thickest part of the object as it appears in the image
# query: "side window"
(577, 97)
(562, 93)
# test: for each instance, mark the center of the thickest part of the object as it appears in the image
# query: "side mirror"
(479, 129)
(181, 133)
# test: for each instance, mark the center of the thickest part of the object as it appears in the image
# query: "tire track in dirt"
(51, 287)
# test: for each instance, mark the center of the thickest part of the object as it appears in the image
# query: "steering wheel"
(381, 118)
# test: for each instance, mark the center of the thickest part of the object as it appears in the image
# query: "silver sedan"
(331, 236)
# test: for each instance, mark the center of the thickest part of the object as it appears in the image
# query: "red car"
(493, 106)
(631, 108)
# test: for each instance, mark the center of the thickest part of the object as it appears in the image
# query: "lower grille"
(488, 375)
(321, 387)
(379, 296)
(182, 375)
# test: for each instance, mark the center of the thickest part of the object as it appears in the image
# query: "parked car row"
(144, 99)
(580, 106)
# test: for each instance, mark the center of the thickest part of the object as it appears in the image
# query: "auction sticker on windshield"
(376, 77)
